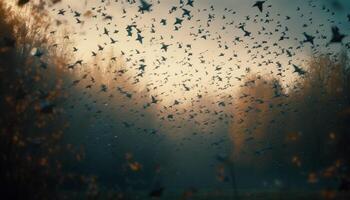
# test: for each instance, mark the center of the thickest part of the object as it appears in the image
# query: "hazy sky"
(225, 47)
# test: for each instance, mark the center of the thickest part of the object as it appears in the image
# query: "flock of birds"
(201, 74)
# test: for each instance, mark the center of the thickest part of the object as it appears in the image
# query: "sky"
(181, 70)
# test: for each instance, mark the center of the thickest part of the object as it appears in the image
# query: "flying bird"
(309, 38)
(145, 6)
(139, 38)
(337, 37)
(299, 70)
(259, 4)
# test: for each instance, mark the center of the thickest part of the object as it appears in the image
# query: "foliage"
(304, 126)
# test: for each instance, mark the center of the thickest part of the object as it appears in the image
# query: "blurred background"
(187, 99)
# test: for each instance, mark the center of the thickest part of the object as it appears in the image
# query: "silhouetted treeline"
(45, 152)
(298, 131)
(32, 155)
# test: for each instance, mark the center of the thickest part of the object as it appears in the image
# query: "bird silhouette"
(259, 5)
(337, 37)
